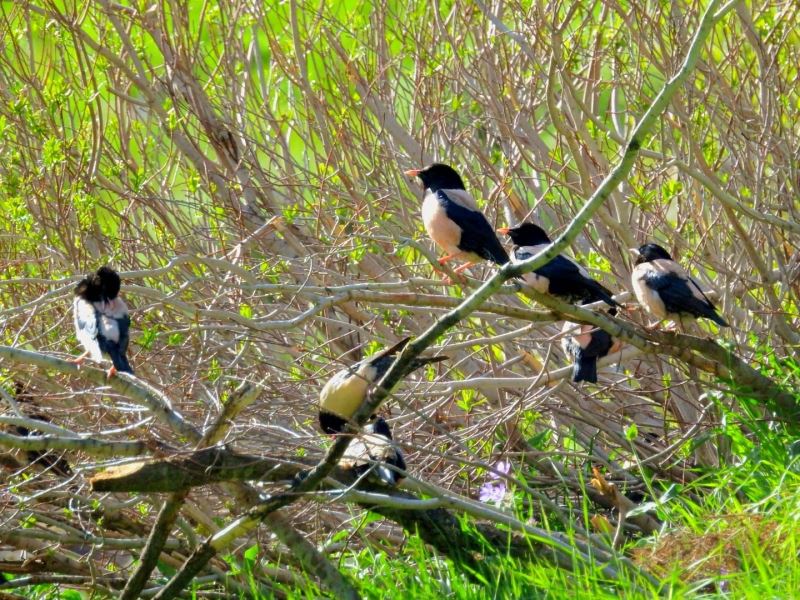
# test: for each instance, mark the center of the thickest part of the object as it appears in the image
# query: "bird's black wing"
(477, 234)
(677, 295)
(567, 279)
(117, 349)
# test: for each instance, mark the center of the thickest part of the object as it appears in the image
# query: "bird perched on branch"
(47, 460)
(666, 290)
(373, 450)
(102, 322)
(561, 276)
(453, 220)
(586, 344)
(343, 394)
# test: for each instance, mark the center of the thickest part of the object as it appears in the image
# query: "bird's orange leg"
(466, 265)
(111, 372)
(444, 259)
(78, 360)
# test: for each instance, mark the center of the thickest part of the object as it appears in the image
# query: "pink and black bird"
(666, 290)
(586, 344)
(102, 321)
(373, 450)
(453, 220)
(561, 276)
(345, 392)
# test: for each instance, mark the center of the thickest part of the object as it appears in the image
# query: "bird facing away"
(561, 276)
(453, 220)
(374, 449)
(343, 394)
(586, 344)
(666, 290)
(101, 320)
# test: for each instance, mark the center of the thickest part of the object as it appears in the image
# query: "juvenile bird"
(343, 394)
(373, 449)
(561, 276)
(453, 220)
(666, 290)
(102, 322)
(586, 344)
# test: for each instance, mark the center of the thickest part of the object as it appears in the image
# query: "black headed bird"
(343, 394)
(101, 320)
(453, 220)
(559, 277)
(373, 449)
(666, 290)
(586, 344)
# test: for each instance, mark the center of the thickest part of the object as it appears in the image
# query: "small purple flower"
(503, 467)
(494, 490)
(492, 493)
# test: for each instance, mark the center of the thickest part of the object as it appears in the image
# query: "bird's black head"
(648, 252)
(438, 176)
(109, 282)
(526, 234)
(102, 285)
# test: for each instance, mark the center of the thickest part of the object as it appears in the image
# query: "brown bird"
(453, 220)
(344, 393)
(666, 290)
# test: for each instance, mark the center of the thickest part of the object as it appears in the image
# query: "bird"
(586, 344)
(453, 220)
(343, 394)
(561, 276)
(102, 321)
(47, 460)
(666, 290)
(373, 450)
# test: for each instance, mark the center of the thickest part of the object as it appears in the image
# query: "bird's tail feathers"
(393, 349)
(585, 369)
(120, 362)
(421, 362)
(714, 316)
(498, 255)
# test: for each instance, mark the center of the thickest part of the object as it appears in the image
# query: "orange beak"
(413, 172)
(503, 230)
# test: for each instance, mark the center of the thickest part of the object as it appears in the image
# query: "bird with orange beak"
(666, 290)
(453, 220)
(561, 276)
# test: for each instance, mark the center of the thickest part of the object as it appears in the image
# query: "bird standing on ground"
(586, 344)
(102, 322)
(666, 290)
(453, 220)
(343, 394)
(374, 449)
(561, 276)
